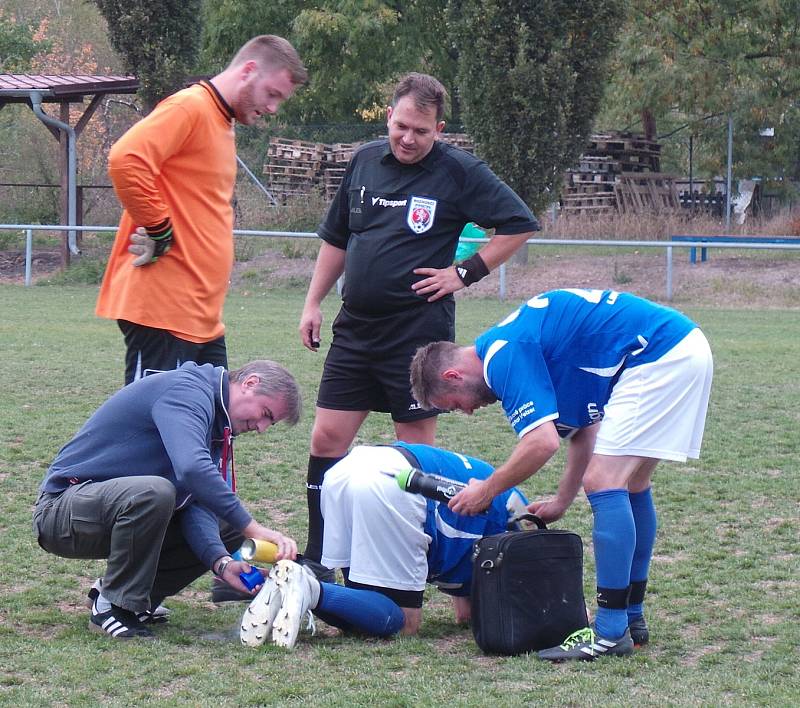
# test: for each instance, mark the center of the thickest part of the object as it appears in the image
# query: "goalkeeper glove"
(147, 244)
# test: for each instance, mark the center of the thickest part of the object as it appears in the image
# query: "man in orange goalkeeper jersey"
(174, 173)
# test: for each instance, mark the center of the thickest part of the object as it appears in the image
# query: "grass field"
(724, 601)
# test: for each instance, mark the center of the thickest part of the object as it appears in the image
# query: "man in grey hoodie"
(149, 483)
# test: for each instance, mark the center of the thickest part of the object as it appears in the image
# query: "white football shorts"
(371, 525)
(659, 409)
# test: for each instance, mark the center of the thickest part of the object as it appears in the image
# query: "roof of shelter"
(16, 88)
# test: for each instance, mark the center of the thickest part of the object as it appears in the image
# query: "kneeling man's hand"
(548, 510)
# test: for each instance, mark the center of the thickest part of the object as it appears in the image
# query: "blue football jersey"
(452, 535)
(559, 355)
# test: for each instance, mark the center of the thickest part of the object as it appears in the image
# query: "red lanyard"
(227, 454)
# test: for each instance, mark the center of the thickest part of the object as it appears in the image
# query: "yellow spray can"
(256, 550)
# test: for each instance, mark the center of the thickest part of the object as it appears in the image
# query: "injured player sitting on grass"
(388, 544)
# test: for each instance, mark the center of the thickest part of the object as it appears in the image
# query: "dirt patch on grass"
(694, 658)
(12, 265)
(722, 281)
(736, 281)
(269, 509)
(272, 270)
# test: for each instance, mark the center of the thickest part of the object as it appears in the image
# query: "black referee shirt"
(392, 218)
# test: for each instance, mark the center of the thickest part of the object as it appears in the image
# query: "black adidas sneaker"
(118, 623)
(586, 645)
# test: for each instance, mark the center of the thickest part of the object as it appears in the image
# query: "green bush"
(82, 271)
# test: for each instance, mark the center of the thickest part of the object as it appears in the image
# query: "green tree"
(228, 24)
(17, 45)
(350, 51)
(354, 49)
(159, 41)
(530, 79)
(686, 60)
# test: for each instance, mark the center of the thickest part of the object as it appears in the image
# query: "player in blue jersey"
(627, 381)
(388, 543)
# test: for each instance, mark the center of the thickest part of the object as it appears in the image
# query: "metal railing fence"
(758, 243)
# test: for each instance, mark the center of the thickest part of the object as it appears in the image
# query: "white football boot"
(260, 614)
(300, 591)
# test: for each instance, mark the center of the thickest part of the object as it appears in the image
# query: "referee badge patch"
(420, 215)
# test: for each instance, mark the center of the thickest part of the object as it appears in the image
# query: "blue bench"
(729, 239)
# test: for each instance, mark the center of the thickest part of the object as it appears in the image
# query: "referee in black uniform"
(393, 230)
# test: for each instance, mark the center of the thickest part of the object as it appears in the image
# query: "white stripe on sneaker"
(601, 646)
(113, 626)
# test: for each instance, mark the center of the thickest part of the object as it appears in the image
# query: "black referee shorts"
(157, 349)
(367, 367)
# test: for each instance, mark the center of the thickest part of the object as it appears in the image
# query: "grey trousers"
(131, 521)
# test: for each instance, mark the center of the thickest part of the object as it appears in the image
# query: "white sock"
(102, 604)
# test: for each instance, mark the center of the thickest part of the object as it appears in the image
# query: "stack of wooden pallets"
(296, 168)
(619, 172)
(633, 153)
(293, 167)
(337, 155)
(590, 187)
(461, 140)
(646, 193)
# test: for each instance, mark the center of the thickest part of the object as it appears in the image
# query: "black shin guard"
(613, 598)
(317, 467)
(638, 589)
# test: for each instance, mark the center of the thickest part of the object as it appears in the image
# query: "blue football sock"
(364, 611)
(644, 517)
(614, 536)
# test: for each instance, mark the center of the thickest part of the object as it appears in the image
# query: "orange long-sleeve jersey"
(178, 163)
